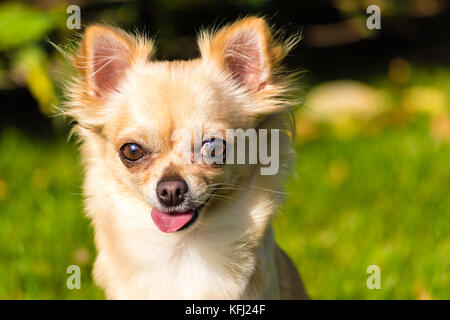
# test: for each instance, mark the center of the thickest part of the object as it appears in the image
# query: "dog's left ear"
(246, 50)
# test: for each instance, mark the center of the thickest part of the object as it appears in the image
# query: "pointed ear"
(246, 50)
(104, 56)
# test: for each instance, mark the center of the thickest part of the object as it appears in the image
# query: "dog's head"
(160, 127)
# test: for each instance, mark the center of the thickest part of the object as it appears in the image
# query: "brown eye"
(131, 152)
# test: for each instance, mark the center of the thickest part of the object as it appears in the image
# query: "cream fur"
(229, 252)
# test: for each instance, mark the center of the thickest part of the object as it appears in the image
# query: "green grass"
(42, 228)
(380, 198)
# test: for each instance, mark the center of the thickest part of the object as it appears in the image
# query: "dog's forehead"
(179, 92)
(166, 96)
(170, 89)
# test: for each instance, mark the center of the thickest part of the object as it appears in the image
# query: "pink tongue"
(170, 222)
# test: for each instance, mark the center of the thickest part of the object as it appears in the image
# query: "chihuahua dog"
(166, 226)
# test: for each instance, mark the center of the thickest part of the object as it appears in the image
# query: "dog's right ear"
(105, 55)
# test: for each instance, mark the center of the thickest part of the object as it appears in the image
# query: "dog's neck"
(199, 271)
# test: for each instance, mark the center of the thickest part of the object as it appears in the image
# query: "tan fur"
(229, 252)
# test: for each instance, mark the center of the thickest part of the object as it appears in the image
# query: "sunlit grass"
(42, 228)
(379, 199)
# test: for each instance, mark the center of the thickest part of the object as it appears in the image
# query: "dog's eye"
(131, 152)
(213, 151)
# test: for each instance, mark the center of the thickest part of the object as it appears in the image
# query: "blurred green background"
(373, 167)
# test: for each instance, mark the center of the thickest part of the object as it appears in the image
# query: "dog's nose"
(171, 192)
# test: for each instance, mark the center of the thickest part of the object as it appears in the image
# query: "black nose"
(171, 192)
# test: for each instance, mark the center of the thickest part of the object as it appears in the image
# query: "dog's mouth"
(173, 221)
(169, 222)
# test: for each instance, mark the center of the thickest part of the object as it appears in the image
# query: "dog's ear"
(246, 50)
(105, 55)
